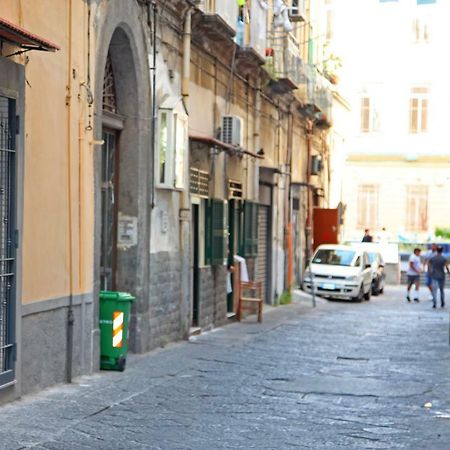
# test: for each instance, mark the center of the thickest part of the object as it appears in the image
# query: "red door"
(326, 226)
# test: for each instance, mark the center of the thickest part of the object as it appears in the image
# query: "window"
(367, 206)
(418, 110)
(369, 116)
(417, 208)
(421, 31)
(172, 145)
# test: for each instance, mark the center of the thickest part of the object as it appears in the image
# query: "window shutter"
(215, 233)
(250, 244)
(208, 232)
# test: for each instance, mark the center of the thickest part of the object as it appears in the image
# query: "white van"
(339, 271)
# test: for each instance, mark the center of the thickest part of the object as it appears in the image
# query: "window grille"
(109, 88)
(235, 189)
(7, 237)
(199, 182)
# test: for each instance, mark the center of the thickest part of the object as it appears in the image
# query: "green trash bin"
(114, 319)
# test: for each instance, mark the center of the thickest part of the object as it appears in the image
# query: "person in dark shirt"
(437, 266)
(367, 236)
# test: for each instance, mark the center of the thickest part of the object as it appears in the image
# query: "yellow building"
(48, 194)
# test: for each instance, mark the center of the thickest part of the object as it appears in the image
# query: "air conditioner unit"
(297, 11)
(232, 131)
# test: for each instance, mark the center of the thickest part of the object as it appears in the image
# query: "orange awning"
(23, 38)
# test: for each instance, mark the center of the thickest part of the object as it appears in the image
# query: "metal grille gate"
(7, 237)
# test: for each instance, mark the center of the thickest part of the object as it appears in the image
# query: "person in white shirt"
(413, 273)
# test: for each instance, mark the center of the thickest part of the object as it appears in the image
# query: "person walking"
(436, 268)
(367, 236)
(428, 255)
(413, 273)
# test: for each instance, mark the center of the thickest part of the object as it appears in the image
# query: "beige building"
(398, 153)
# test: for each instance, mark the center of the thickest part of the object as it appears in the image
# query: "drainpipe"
(287, 206)
(70, 316)
(184, 200)
(308, 228)
(154, 112)
(185, 209)
(257, 135)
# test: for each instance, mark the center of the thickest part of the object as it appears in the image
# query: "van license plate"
(329, 286)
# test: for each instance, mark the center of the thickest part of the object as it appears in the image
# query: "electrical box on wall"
(316, 165)
(232, 131)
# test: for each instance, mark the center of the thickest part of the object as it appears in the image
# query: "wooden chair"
(250, 294)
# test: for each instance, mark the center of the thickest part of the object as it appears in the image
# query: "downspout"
(184, 200)
(257, 134)
(185, 210)
(287, 206)
(154, 111)
(308, 228)
(70, 316)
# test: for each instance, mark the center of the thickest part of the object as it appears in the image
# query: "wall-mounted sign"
(126, 231)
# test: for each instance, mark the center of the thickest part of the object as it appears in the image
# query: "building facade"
(145, 145)
(396, 171)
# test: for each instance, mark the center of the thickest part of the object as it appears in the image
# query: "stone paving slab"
(340, 376)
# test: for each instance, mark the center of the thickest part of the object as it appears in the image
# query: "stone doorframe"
(120, 34)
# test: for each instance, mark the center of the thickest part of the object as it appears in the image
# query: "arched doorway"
(123, 166)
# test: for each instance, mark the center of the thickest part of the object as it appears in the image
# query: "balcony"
(251, 39)
(284, 63)
(316, 97)
(215, 21)
(297, 11)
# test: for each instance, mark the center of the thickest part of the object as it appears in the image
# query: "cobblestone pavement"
(373, 375)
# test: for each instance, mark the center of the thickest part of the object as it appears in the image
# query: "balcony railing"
(316, 95)
(284, 61)
(226, 9)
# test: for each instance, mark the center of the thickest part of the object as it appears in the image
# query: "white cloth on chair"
(244, 271)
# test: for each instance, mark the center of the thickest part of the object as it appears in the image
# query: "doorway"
(109, 208)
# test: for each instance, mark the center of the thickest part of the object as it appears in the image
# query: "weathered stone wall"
(213, 296)
(164, 321)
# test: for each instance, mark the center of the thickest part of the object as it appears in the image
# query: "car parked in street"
(378, 275)
(339, 272)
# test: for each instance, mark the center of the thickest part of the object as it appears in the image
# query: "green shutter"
(208, 232)
(215, 232)
(250, 244)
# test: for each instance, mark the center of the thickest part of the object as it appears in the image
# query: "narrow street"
(341, 376)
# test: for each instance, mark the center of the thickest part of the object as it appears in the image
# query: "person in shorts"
(437, 266)
(413, 274)
(428, 255)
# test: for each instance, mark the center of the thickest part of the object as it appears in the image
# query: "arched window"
(109, 88)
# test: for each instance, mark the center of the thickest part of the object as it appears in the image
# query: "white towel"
(244, 271)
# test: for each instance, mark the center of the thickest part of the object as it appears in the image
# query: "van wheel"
(367, 295)
(360, 296)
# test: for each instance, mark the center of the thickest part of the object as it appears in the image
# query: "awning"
(23, 38)
(213, 142)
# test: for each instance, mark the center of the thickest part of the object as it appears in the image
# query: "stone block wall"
(213, 296)
(163, 321)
